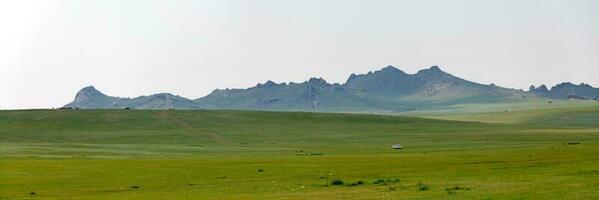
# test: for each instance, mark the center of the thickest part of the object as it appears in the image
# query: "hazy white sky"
(50, 49)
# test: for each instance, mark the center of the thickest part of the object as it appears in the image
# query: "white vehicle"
(396, 146)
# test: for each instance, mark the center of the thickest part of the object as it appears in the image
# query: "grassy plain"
(142, 154)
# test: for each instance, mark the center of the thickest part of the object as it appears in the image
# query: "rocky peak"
(435, 68)
(88, 89)
(89, 92)
(585, 85)
(432, 70)
(317, 81)
(268, 83)
(351, 77)
(390, 68)
(563, 85)
(431, 74)
(541, 88)
(388, 72)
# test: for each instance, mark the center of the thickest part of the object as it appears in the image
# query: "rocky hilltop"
(90, 98)
(567, 90)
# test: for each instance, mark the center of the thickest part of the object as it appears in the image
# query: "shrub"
(357, 183)
(260, 170)
(452, 190)
(423, 187)
(386, 181)
(337, 182)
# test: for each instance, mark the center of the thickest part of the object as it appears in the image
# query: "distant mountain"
(567, 90)
(386, 90)
(428, 84)
(313, 94)
(387, 82)
(540, 91)
(90, 98)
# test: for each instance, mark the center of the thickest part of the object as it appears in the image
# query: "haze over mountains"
(386, 90)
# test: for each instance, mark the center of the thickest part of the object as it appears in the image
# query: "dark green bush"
(357, 183)
(452, 190)
(337, 182)
(423, 187)
(386, 181)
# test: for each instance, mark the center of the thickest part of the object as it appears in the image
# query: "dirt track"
(217, 138)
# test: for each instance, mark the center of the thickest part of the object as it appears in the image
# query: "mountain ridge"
(90, 98)
(386, 90)
(567, 90)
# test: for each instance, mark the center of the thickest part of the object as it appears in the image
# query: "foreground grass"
(115, 154)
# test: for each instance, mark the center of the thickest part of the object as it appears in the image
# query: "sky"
(49, 49)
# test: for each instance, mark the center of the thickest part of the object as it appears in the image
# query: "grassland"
(141, 154)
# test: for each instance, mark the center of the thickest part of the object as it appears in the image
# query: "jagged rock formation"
(541, 90)
(567, 90)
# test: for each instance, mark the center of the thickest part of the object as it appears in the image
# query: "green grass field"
(140, 154)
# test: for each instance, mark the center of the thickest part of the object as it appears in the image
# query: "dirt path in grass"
(217, 138)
